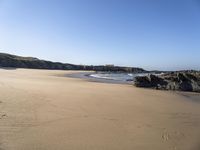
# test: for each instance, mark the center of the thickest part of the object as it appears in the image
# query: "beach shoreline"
(87, 76)
(45, 110)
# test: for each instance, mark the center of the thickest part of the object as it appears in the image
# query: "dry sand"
(42, 111)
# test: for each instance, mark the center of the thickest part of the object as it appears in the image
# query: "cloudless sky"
(153, 34)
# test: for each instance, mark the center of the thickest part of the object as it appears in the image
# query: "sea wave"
(117, 76)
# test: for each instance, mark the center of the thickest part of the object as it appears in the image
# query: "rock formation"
(182, 81)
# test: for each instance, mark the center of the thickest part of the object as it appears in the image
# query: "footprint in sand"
(3, 116)
(172, 135)
(165, 136)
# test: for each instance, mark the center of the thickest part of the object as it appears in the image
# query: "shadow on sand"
(8, 68)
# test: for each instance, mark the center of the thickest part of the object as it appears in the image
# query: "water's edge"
(87, 76)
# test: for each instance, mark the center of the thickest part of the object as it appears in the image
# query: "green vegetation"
(7, 60)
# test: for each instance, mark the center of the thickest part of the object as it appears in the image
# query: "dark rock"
(150, 81)
(183, 81)
(157, 81)
(143, 81)
(182, 77)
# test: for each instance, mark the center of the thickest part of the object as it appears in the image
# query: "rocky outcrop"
(150, 81)
(182, 81)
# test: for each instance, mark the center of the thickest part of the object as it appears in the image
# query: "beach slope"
(43, 110)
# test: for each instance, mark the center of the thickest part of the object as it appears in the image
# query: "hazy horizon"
(154, 35)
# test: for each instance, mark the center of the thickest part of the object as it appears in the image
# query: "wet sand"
(42, 110)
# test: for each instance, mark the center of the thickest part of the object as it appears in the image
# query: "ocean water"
(117, 76)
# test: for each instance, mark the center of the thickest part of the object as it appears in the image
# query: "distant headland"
(14, 61)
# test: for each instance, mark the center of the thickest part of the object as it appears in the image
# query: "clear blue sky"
(153, 34)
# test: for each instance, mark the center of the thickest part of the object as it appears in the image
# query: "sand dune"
(40, 110)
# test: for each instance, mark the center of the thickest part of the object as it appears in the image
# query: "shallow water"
(107, 77)
(117, 76)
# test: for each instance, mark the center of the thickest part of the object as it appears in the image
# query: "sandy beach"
(43, 110)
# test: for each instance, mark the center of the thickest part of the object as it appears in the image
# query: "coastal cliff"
(8, 60)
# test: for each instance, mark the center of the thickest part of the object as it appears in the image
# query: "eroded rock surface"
(182, 81)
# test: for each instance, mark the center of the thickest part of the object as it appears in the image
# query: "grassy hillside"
(8, 60)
